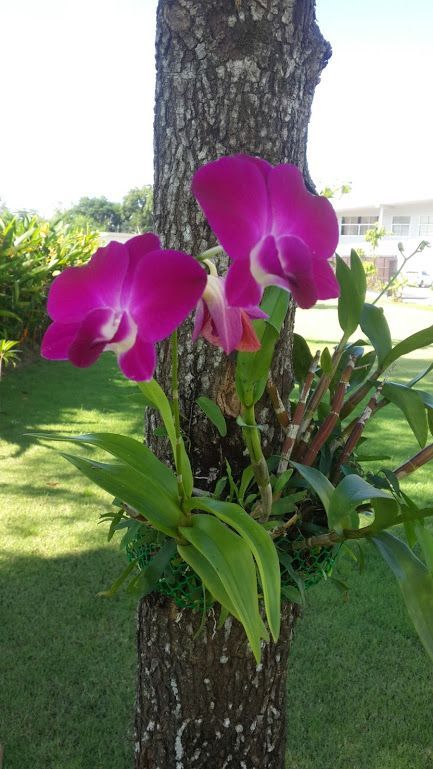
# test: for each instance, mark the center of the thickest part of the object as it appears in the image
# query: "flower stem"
(260, 468)
(176, 414)
(214, 251)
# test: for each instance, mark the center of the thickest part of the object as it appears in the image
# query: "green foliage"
(213, 413)
(133, 214)
(8, 355)
(353, 287)
(253, 368)
(94, 213)
(32, 253)
(137, 210)
(415, 581)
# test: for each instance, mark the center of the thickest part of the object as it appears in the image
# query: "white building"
(406, 222)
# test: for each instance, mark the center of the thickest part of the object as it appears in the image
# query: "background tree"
(95, 214)
(232, 76)
(137, 209)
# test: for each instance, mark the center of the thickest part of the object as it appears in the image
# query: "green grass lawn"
(360, 685)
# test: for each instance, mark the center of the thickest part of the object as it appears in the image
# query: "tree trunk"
(232, 76)
(203, 703)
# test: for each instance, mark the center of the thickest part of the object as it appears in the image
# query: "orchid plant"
(314, 497)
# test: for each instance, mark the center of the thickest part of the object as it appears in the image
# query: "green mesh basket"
(185, 589)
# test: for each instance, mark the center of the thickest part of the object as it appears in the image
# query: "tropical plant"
(32, 253)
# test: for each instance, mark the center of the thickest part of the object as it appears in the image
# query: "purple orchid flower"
(224, 326)
(272, 228)
(129, 296)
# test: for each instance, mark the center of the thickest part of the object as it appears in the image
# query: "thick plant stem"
(176, 414)
(258, 462)
(356, 432)
(331, 420)
(412, 464)
(294, 427)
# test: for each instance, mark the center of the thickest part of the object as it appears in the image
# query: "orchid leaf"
(135, 489)
(412, 406)
(375, 326)
(155, 395)
(352, 293)
(213, 413)
(231, 558)
(302, 357)
(415, 581)
(262, 548)
(420, 339)
(130, 451)
(149, 575)
(318, 482)
(350, 492)
(252, 368)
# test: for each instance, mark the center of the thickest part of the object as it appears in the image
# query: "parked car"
(420, 278)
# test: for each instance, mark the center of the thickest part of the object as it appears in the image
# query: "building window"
(400, 225)
(357, 225)
(426, 225)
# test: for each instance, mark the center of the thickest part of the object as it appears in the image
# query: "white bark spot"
(178, 747)
(239, 728)
(150, 726)
(224, 659)
(226, 722)
(259, 668)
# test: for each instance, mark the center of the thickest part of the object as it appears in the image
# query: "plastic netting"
(185, 589)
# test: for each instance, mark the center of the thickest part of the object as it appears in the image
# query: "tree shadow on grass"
(56, 396)
(67, 663)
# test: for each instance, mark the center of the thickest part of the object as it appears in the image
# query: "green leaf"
(412, 406)
(326, 362)
(252, 368)
(135, 489)
(420, 376)
(416, 584)
(156, 396)
(350, 492)
(112, 590)
(130, 451)
(282, 479)
(302, 357)
(318, 482)
(425, 539)
(247, 477)
(292, 594)
(209, 577)
(414, 342)
(375, 326)
(149, 575)
(214, 413)
(231, 558)
(385, 513)
(352, 295)
(262, 548)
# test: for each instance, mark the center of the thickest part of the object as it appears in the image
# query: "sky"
(78, 87)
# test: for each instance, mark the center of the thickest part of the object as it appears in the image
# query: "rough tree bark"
(232, 76)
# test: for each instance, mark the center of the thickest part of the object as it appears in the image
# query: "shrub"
(32, 253)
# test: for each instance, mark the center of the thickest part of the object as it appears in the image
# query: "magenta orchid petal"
(295, 211)
(226, 320)
(232, 193)
(242, 290)
(199, 320)
(250, 218)
(167, 287)
(79, 290)
(57, 340)
(222, 325)
(249, 341)
(97, 328)
(298, 267)
(326, 282)
(127, 297)
(139, 362)
(136, 248)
